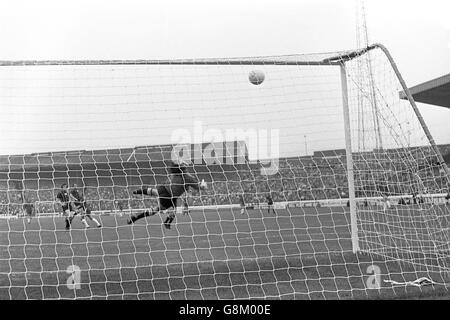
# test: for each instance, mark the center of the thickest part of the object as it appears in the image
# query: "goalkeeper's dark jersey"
(180, 183)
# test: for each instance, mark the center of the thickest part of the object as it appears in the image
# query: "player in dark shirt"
(63, 198)
(28, 207)
(79, 205)
(179, 182)
(270, 204)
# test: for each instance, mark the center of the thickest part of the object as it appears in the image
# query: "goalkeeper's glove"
(203, 184)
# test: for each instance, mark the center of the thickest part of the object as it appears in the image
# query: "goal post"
(348, 144)
(407, 92)
(349, 163)
(319, 179)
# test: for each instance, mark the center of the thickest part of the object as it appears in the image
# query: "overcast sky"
(417, 33)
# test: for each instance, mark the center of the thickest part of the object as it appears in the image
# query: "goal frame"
(336, 61)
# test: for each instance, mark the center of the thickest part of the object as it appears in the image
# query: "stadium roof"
(222, 151)
(435, 92)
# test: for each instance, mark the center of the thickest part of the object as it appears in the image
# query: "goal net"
(358, 185)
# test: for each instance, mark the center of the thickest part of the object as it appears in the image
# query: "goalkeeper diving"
(179, 183)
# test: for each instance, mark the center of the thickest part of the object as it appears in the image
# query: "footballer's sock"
(168, 221)
(85, 223)
(150, 212)
(140, 215)
(134, 218)
(96, 222)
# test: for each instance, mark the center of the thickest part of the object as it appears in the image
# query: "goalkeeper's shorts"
(165, 199)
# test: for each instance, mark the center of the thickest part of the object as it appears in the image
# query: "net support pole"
(415, 108)
(350, 171)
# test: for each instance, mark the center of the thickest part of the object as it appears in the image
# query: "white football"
(256, 77)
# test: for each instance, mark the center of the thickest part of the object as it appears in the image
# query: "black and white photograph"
(244, 151)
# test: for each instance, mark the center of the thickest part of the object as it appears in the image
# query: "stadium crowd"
(307, 178)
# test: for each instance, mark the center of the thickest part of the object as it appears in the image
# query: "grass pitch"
(301, 253)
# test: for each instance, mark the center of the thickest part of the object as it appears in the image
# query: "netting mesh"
(394, 158)
(108, 128)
